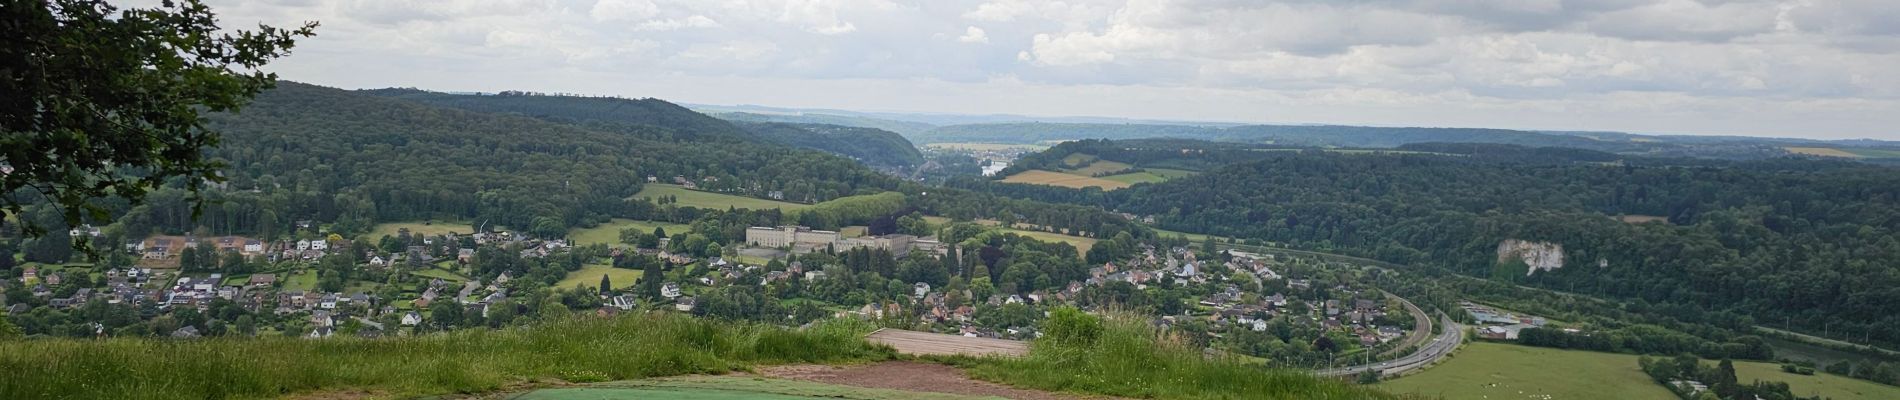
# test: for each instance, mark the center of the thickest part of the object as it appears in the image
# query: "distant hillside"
(647, 112)
(353, 158)
(901, 127)
(869, 145)
(1039, 132)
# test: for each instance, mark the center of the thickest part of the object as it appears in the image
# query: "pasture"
(1040, 177)
(1823, 151)
(1503, 371)
(712, 200)
(1082, 244)
(609, 233)
(1512, 371)
(589, 276)
(429, 228)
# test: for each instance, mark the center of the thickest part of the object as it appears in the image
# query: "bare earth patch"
(912, 376)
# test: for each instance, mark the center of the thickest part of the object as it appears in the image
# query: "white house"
(411, 319)
(670, 290)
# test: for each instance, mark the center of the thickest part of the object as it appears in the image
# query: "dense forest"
(1794, 243)
(303, 152)
(875, 147)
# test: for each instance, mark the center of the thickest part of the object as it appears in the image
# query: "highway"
(1447, 340)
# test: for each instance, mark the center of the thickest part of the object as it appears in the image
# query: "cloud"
(974, 35)
(1637, 63)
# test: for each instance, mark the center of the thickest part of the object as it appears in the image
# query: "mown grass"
(589, 276)
(609, 233)
(582, 349)
(1132, 359)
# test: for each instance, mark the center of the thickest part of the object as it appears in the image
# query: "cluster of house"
(805, 240)
(1497, 324)
(168, 247)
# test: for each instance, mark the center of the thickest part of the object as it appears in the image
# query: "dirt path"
(912, 376)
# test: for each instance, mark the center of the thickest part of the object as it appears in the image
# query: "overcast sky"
(1801, 68)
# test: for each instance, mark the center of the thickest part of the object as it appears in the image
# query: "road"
(1421, 326)
(1440, 346)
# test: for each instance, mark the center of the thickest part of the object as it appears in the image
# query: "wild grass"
(581, 349)
(1130, 358)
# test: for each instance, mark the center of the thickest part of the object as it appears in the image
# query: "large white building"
(789, 236)
(899, 245)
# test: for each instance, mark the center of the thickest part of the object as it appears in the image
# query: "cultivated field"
(609, 232)
(1040, 177)
(1502, 371)
(701, 199)
(1822, 151)
(430, 228)
(589, 276)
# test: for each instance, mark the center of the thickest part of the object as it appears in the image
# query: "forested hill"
(1798, 243)
(645, 112)
(872, 146)
(351, 158)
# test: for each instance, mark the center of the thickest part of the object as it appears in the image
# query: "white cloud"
(1649, 65)
(974, 35)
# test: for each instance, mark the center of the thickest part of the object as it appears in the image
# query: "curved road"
(1448, 339)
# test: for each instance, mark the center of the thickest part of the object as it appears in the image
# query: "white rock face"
(1540, 256)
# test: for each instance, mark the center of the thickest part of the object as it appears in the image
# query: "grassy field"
(1170, 173)
(1040, 177)
(469, 361)
(589, 276)
(985, 146)
(1502, 371)
(700, 199)
(1828, 385)
(1137, 177)
(303, 281)
(425, 228)
(728, 388)
(1082, 244)
(609, 233)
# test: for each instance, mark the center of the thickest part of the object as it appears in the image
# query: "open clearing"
(1040, 177)
(589, 276)
(609, 233)
(701, 199)
(1639, 219)
(937, 344)
(1136, 177)
(1502, 371)
(1822, 151)
(727, 388)
(430, 228)
(1082, 244)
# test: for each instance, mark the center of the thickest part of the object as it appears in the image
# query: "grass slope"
(701, 199)
(728, 388)
(1503, 371)
(589, 276)
(1082, 244)
(1130, 358)
(1832, 386)
(582, 349)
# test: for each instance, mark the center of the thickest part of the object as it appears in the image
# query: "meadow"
(472, 361)
(1822, 151)
(701, 199)
(430, 228)
(1512, 371)
(589, 276)
(1082, 244)
(609, 233)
